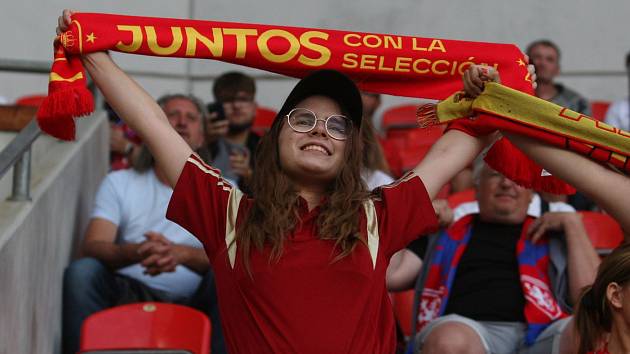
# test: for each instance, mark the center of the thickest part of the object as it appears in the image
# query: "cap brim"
(332, 84)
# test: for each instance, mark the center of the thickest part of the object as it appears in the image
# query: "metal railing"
(18, 153)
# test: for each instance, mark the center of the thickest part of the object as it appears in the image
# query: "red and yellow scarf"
(399, 65)
(502, 108)
(392, 64)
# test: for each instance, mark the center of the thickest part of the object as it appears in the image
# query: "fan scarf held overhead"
(398, 65)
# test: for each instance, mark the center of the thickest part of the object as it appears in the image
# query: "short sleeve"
(419, 246)
(561, 207)
(205, 204)
(614, 116)
(404, 212)
(107, 203)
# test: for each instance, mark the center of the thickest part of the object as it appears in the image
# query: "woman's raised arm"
(137, 108)
(609, 189)
(455, 150)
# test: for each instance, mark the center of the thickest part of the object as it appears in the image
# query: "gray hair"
(145, 161)
(162, 101)
(479, 164)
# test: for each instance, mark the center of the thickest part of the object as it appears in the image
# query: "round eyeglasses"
(303, 120)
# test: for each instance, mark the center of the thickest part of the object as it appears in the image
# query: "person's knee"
(83, 273)
(449, 338)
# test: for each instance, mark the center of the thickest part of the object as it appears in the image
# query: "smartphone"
(216, 107)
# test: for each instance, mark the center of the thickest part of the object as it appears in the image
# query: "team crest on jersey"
(538, 294)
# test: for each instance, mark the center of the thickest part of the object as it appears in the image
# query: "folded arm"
(582, 259)
(100, 243)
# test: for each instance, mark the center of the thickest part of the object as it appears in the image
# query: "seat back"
(31, 100)
(146, 326)
(403, 309)
(400, 117)
(604, 231)
(412, 144)
(263, 120)
(599, 109)
(458, 198)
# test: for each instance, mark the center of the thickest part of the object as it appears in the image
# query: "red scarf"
(398, 65)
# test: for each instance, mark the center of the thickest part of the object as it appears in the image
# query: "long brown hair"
(373, 157)
(274, 212)
(593, 317)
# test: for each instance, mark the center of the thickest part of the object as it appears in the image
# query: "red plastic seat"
(411, 145)
(403, 309)
(391, 152)
(599, 109)
(146, 326)
(458, 198)
(31, 100)
(604, 231)
(397, 117)
(264, 119)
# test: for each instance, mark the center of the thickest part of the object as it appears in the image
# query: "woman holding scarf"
(301, 267)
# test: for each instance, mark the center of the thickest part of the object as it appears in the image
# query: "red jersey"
(303, 303)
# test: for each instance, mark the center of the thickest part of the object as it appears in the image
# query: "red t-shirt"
(302, 303)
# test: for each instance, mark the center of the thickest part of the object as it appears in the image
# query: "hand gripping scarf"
(541, 307)
(502, 108)
(391, 64)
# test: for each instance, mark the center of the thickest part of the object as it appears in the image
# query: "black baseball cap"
(329, 83)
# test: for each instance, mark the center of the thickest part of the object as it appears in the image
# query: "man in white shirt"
(131, 252)
(618, 114)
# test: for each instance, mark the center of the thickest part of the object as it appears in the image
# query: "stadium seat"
(264, 119)
(403, 310)
(30, 100)
(412, 144)
(146, 328)
(599, 109)
(458, 198)
(604, 231)
(405, 145)
(400, 117)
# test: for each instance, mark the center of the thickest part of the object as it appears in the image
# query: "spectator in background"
(371, 102)
(487, 307)
(618, 113)
(545, 55)
(124, 143)
(131, 251)
(230, 141)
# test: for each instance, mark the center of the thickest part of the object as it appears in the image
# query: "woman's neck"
(619, 341)
(312, 194)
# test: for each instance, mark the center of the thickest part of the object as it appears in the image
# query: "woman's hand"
(443, 212)
(531, 69)
(475, 78)
(64, 21)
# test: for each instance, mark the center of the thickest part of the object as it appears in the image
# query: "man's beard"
(239, 128)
